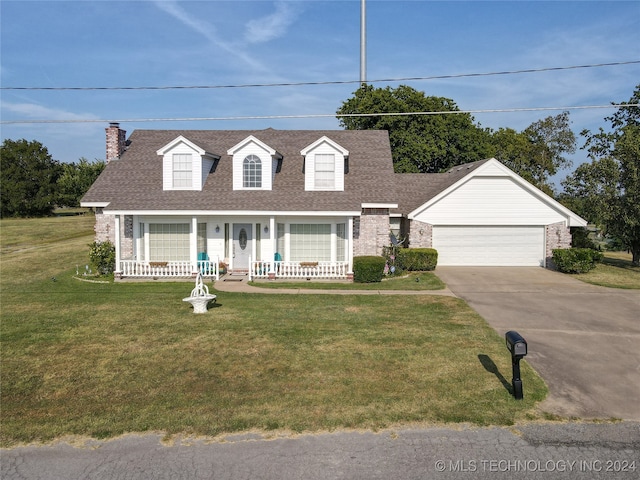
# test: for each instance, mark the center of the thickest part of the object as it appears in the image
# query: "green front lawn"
(102, 359)
(413, 281)
(615, 271)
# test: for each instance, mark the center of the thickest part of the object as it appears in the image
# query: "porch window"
(168, 242)
(202, 237)
(280, 239)
(140, 243)
(310, 242)
(182, 170)
(252, 172)
(325, 171)
(341, 236)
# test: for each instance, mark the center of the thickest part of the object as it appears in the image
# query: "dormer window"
(325, 171)
(185, 165)
(254, 164)
(182, 170)
(324, 164)
(252, 172)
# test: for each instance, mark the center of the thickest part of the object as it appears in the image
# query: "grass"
(413, 282)
(615, 271)
(100, 360)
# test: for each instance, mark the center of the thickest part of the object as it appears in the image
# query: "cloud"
(272, 26)
(35, 111)
(207, 30)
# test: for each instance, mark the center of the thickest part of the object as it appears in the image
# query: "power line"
(336, 82)
(319, 115)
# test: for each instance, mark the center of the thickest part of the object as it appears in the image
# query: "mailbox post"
(518, 348)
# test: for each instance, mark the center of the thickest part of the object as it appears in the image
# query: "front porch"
(299, 270)
(258, 270)
(176, 269)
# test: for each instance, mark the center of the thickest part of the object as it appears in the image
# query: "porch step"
(233, 279)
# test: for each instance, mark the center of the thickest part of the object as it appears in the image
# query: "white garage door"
(489, 246)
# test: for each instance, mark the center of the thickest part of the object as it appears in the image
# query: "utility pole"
(363, 42)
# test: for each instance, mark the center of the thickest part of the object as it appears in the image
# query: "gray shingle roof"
(134, 182)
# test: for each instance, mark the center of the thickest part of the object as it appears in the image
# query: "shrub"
(576, 260)
(417, 259)
(368, 269)
(103, 256)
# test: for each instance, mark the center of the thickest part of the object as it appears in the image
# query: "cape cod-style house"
(302, 203)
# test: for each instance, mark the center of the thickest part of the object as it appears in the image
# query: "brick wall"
(420, 234)
(371, 232)
(105, 227)
(557, 235)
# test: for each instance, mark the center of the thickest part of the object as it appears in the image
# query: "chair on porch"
(204, 266)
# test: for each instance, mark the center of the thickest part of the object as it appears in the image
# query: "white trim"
(379, 205)
(573, 220)
(322, 140)
(94, 204)
(249, 139)
(234, 213)
(180, 139)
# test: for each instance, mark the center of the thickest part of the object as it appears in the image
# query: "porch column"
(272, 242)
(118, 271)
(349, 246)
(193, 245)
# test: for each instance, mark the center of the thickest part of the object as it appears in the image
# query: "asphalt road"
(539, 451)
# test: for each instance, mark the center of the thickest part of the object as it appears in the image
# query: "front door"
(241, 245)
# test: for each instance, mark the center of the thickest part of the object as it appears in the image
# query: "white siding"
(490, 201)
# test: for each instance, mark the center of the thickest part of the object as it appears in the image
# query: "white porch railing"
(298, 270)
(133, 268)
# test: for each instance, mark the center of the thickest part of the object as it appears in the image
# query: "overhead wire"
(327, 115)
(321, 115)
(332, 82)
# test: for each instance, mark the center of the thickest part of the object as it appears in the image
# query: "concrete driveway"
(584, 340)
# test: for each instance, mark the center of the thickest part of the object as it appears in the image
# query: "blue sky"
(186, 43)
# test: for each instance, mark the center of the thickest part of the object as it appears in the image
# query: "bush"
(368, 269)
(103, 256)
(576, 260)
(417, 259)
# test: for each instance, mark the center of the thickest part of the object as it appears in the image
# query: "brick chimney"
(116, 141)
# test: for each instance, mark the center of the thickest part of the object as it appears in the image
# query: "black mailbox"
(516, 344)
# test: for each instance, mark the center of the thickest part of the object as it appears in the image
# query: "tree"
(76, 180)
(28, 177)
(607, 190)
(537, 152)
(419, 143)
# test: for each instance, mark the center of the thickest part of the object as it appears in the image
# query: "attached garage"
(490, 245)
(484, 214)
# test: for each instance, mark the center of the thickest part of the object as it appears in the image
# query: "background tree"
(419, 143)
(28, 177)
(536, 153)
(76, 179)
(607, 190)
(437, 142)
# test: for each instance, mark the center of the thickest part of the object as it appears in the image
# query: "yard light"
(517, 345)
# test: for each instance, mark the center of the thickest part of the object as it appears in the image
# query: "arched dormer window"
(252, 172)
